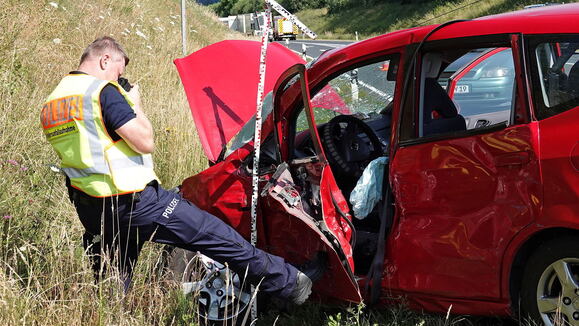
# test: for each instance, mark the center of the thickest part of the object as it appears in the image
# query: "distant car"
(478, 211)
(481, 79)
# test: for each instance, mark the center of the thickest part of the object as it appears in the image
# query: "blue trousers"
(161, 216)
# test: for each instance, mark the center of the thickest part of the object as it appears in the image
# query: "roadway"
(314, 48)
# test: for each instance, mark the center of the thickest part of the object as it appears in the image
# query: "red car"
(478, 218)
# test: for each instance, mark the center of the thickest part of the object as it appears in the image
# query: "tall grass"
(44, 275)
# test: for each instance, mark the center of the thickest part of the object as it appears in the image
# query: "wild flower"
(7, 217)
(54, 4)
(139, 33)
(13, 162)
(57, 41)
(23, 168)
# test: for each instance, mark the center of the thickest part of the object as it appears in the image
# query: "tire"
(550, 284)
(205, 282)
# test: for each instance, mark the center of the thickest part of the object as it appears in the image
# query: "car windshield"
(363, 91)
(245, 135)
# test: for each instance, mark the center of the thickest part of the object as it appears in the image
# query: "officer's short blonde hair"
(100, 45)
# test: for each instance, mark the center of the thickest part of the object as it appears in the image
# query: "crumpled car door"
(299, 231)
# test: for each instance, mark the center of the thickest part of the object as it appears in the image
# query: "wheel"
(550, 285)
(350, 145)
(220, 293)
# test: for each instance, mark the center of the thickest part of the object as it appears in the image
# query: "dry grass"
(44, 275)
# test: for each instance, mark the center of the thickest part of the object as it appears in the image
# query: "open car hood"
(221, 81)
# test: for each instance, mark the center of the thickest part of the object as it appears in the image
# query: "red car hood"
(221, 80)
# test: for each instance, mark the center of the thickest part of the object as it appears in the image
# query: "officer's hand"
(135, 95)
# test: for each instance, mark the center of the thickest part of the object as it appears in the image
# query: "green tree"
(223, 7)
(247, 6)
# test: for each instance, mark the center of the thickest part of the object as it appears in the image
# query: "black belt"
(81, 198)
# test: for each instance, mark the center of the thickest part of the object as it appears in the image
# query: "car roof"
(543, 20)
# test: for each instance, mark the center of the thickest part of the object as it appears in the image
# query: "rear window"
(557, 82)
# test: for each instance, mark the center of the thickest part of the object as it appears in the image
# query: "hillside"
(389, 16)
(44, 276)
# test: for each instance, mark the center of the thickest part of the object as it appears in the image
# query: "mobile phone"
(124, 83)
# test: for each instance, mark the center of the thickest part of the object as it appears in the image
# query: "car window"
(363, 91)
(465, 90)
(558, 77)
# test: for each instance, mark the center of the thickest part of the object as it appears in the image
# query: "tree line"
(235, 7)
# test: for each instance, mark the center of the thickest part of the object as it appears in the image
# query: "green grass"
(391, 16)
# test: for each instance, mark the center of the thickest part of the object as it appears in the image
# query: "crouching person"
(104, 141)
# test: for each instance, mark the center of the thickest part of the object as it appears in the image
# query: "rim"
(558, 293)
(218, 290)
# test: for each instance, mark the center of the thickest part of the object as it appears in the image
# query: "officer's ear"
(105, 61)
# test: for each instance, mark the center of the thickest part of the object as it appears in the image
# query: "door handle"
(513, 159)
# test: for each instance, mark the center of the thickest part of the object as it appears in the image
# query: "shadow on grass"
(380, 18)
(334, 315)
(387, 17)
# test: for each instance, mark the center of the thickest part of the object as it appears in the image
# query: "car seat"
(440, 114)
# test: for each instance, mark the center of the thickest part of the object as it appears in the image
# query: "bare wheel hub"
(220, 292)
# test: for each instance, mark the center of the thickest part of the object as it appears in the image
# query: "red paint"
(228, 103)
(464, 206)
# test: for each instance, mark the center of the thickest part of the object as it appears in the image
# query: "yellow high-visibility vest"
(73, 125)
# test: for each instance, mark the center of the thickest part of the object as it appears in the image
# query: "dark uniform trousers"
(158, 215)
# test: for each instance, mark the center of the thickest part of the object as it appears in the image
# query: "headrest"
(431, 64)
(573, 80)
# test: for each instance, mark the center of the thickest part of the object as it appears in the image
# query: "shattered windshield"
(362, 91)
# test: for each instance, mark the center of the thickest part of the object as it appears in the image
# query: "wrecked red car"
(411, 193)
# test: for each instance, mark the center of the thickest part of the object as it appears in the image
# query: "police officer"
(104, 141)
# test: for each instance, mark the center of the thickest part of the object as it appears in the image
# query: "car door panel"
(297, 236)
(466, 210)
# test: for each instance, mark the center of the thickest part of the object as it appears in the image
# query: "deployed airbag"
(368, 190)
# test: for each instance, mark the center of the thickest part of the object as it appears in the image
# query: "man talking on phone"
(105, 141)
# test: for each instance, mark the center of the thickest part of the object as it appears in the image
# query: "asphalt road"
(314, 48)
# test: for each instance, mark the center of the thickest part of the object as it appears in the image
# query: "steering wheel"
(350, 145)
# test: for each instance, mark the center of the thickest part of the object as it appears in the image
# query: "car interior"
(353, 108)
(353, 117)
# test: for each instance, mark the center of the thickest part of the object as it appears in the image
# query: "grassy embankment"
(44, 276)
(387, 17)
